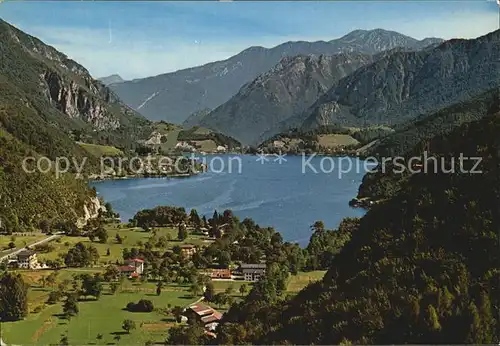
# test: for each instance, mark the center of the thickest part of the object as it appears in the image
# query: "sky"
(141, 39)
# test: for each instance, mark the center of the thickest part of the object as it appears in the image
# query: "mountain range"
(405, 85)
(289, 88)
(392, 87)
(174, 96)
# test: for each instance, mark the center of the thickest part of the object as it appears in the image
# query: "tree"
(119, 239)
(182, 234)
(70, 307)
(92, 285)
(117, 338)
(54, 297)
(194, 218)
(51, 279)
(220, 299)
(101, 234)
(99, 337)
(209, 292)
(318, 226)
(128, 325)
(81, 256)
(224, 258)
(177, 312)
(13, 297)
(162, 242)
(45, 226)
(195, 288)
(143, 305)
(64, 340)
(182, 335)
(243, 289)
(112, 273)
(12, 245)
(113, 287)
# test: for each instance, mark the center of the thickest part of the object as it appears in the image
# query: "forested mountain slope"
(47, 103)
(405, 85)
(421, 268)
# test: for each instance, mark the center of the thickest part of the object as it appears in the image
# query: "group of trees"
(94, 229)
(159, 216)
(13, 297)
(142, 305)
(81, 255)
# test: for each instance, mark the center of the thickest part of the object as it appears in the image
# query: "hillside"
(195, 118)
(59, 99)
(28, 198)
(48, 103)
(413, 138)
(169, 138)
(275, 96)
(420, 268)
(174, 96)
(405, 85)
(408, 134)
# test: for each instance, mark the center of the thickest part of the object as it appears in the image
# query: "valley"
(302, 191)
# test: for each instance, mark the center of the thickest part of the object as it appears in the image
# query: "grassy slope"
(104, 316)
(335, 140)
(302, 279)
(101, 150)
(130, 236)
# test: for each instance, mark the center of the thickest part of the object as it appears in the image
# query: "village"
(190, 275)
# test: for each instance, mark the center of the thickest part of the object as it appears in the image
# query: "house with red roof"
(137, 263)
(208, 316)
(133, 267)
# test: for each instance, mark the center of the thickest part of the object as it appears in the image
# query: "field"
(104, 316)
(302, 279)
(206, 145)
(101, 150)
(335, 140)
(131, 237)
(20, 240)
(171, 140)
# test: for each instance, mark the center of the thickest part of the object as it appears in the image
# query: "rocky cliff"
(62, 92)
(91, 210)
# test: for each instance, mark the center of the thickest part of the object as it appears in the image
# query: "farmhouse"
(26, 259)
(137, 263)
(253, 271)
(132, 268)
(205, 314)
(220, 273)
(188, 250)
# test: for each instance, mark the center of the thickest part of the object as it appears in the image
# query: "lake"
(289, 196)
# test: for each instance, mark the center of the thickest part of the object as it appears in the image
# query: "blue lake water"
(288, 196)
